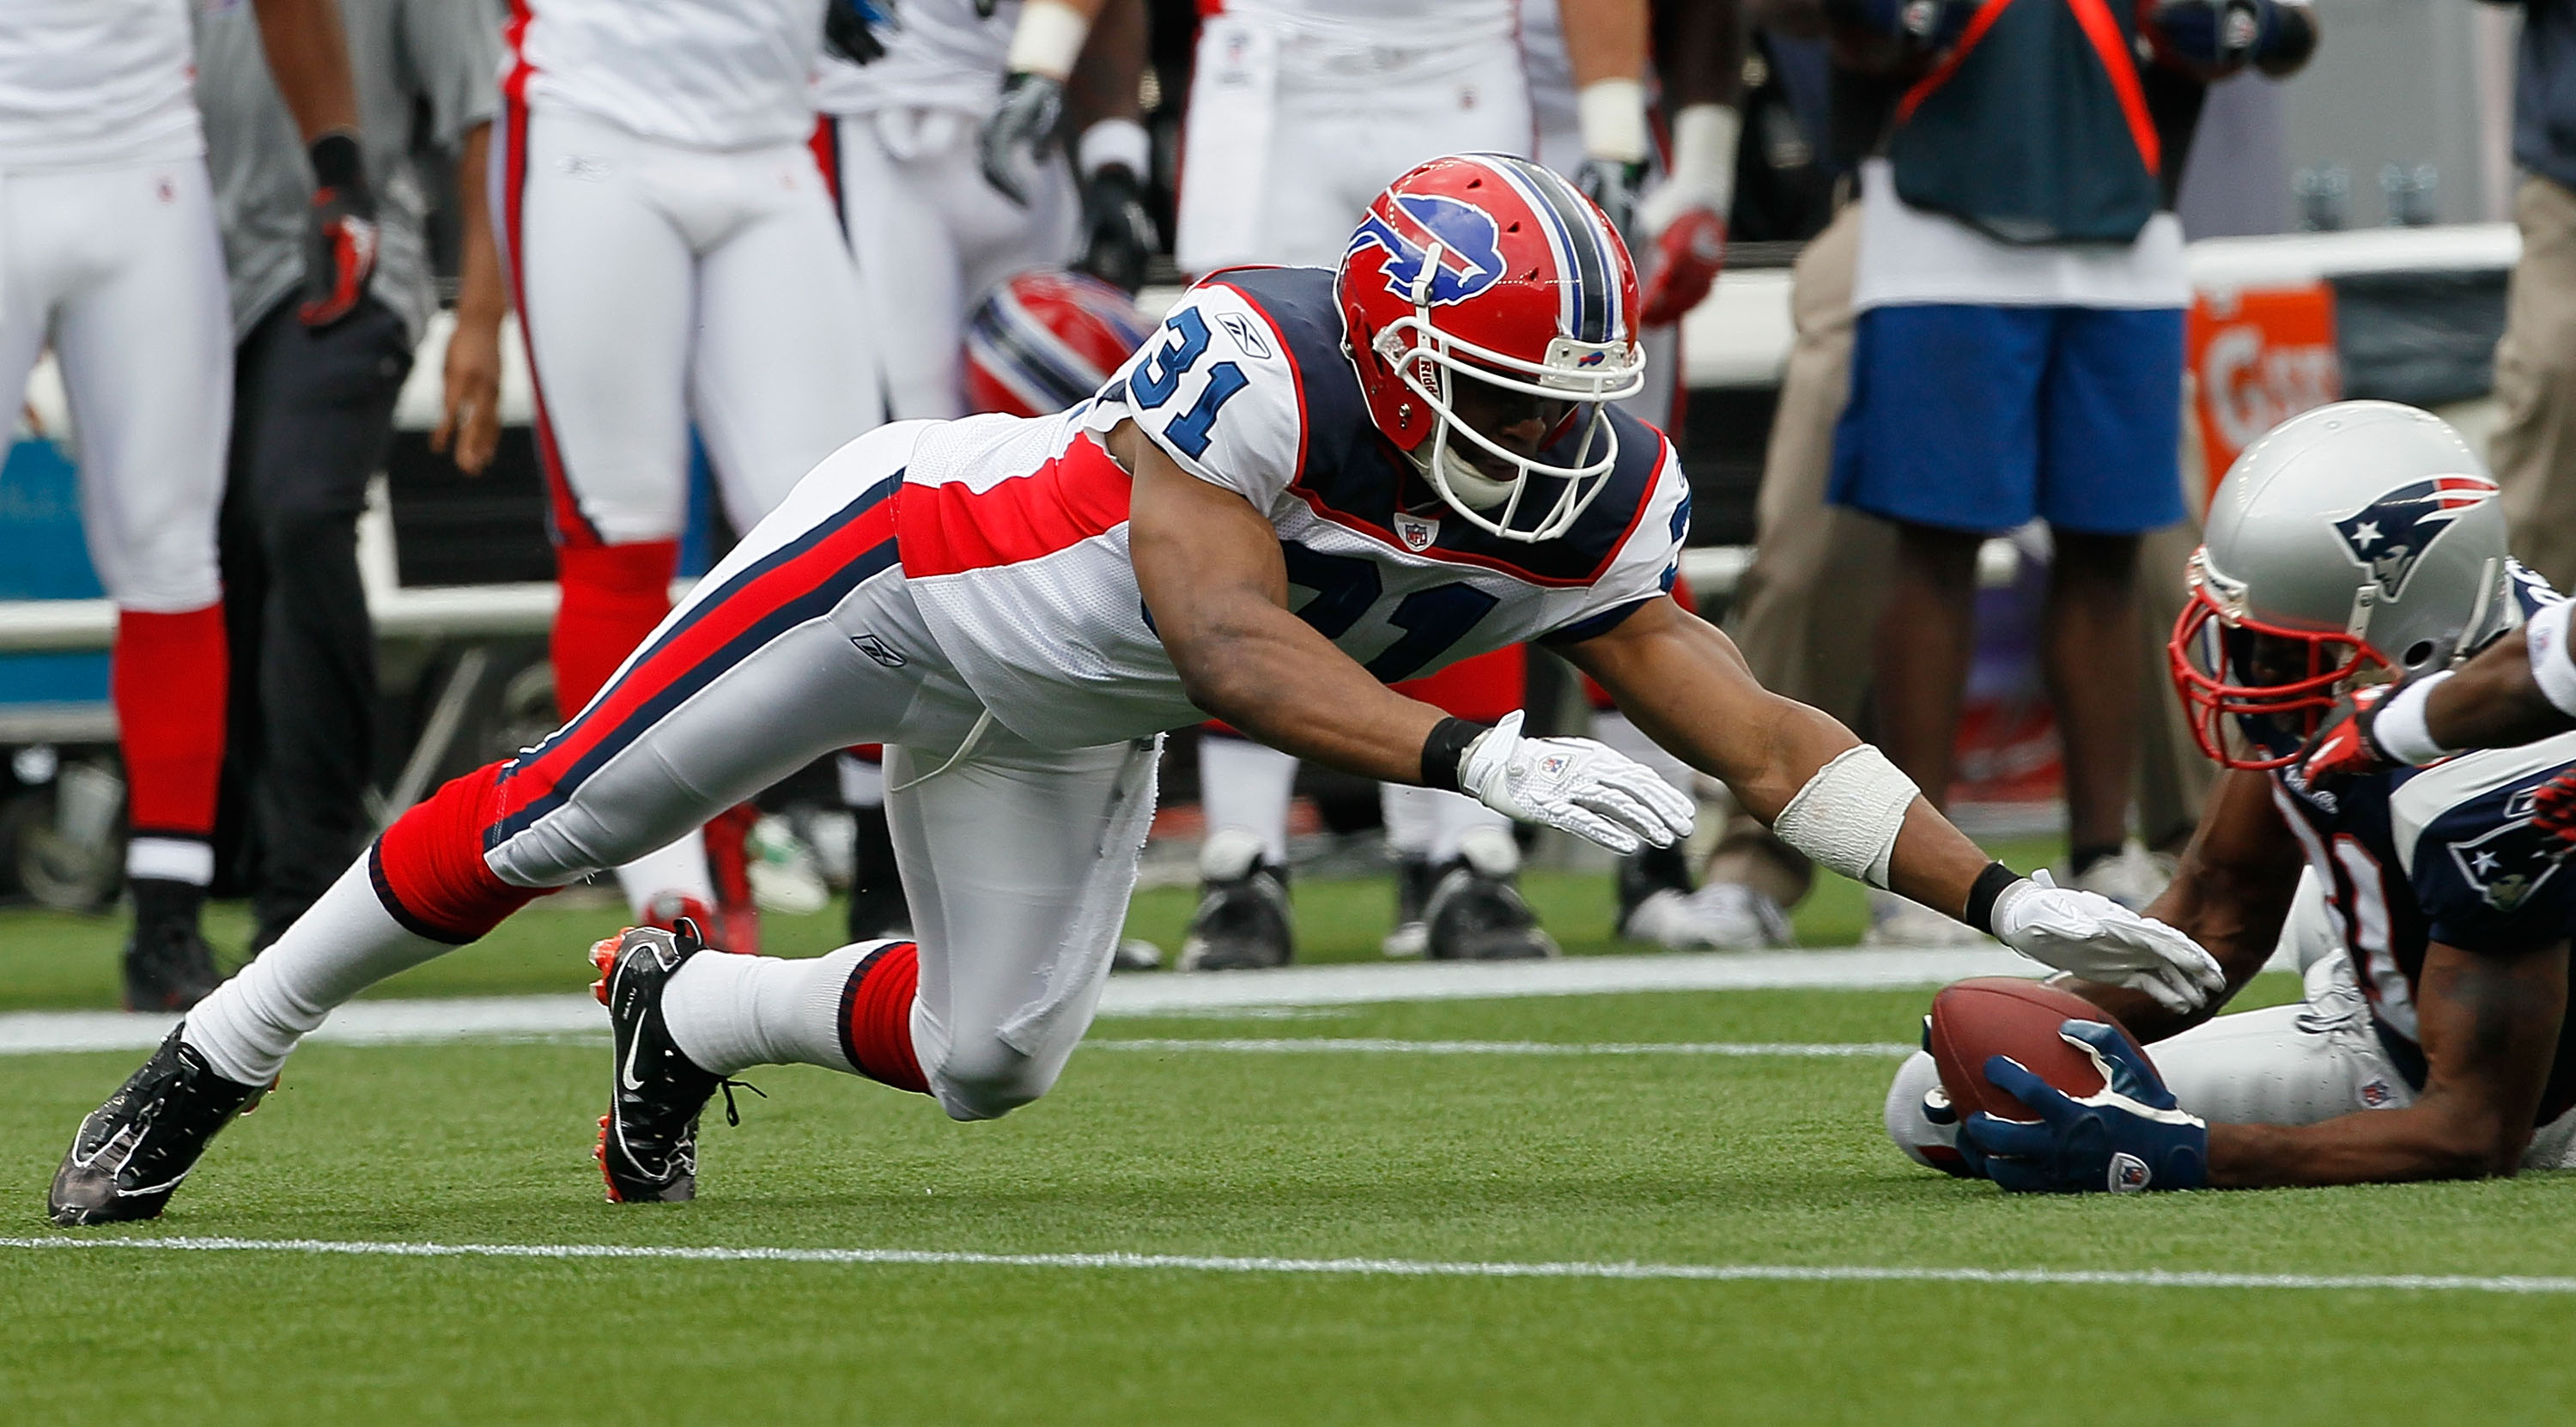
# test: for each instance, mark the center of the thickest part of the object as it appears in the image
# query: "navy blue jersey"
(2441, 854)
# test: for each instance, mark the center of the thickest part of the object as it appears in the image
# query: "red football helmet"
(1487, 280)
(1046, 339)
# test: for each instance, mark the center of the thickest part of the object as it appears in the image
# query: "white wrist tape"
(2553, 665)
(1114, 141)
(1611, 113)
(1047, 40)
(1848, 815)
(1704, 137)
(2399, 725)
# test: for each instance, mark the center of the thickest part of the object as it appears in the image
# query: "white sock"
(1614, 728)
(1411, 818)
(1453, 815)
(680, 867)
(729, 1013)
(1244, 786)
(344, 944)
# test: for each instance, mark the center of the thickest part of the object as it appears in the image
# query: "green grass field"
(1208, 1149)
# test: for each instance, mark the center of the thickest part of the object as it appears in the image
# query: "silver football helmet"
(2354, 543)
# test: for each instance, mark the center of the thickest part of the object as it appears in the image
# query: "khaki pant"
(1808, 606)
(2534, 445)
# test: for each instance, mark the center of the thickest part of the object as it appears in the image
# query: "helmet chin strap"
(1470, 484)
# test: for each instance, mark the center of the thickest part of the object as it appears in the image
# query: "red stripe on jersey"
(686, 648)
(944, 530)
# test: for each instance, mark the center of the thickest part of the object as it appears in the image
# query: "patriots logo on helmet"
(1471, 248)
(2388, 536)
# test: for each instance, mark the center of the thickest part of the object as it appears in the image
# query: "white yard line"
(1158, 994)
(1329, 1045)
(1354, 1267)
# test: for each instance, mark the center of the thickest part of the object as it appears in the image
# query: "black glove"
(1613, 186)
(339, 233)
(1021, 133)
(850, 28)
(1117, 233)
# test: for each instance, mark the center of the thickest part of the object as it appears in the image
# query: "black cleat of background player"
(131, 1152)
(168, 967)
(850, 28)
(648, 1140)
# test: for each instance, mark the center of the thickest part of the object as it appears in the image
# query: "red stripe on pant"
(166, 679)
(716, 626)
(876, 1017)
(564, 520)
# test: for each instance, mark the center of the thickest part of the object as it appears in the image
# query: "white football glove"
(2100, 940)
(1575, 784)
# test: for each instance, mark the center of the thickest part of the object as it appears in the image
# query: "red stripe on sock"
(876, 1017)
(613, 595)
(166, 679)
(429, 869)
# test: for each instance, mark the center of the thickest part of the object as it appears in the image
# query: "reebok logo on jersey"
(1246, 335)
(1470, 248)
(877, 649)
(2388, 536)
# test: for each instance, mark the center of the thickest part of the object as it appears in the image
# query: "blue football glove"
(2128, 1136)
(2217, 36)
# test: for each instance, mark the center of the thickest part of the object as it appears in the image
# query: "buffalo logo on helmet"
(2390, 535)
(1470, 247)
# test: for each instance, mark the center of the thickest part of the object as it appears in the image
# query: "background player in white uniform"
(676, 258)
(109, 249)
(980, 594)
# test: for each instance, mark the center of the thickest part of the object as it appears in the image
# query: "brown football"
(2007, 1015)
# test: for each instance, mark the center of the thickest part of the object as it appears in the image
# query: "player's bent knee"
(1914, 1103)
(429, 869)
(989, 1081)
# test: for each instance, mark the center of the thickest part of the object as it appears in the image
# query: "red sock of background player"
(613, 595)
(167, 682)
(849, 1011)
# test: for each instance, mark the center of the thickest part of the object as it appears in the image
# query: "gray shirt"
(426, 74)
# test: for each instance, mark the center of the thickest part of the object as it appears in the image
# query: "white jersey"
(944, 54)
(717, 74)
(1014, 533)
(1400, 24)
(91, 82)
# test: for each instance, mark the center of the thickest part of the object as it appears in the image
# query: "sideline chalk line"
(1346, 1045)
(1355, 1267)
(1230, 993)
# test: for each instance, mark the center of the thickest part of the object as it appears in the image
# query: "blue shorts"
(1980, 418)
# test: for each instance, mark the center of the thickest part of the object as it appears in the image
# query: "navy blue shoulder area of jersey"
(1353, 476)
(2486, 877)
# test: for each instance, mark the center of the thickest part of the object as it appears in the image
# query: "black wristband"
(1984, 893)
(336, 161)
(1442, 750)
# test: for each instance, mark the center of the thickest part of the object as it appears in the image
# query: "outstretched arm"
(1209, 567)
(1842, 803)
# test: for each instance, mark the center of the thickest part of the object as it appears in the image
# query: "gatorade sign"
(2258, 356)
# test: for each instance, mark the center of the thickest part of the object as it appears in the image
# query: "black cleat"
(168, 967)
(1475, 913)
(648, 1140)
(1243, 920)
(131, 1153)
(1413, 880)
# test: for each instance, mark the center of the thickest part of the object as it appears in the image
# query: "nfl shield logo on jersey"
(2389, 535)
(1416, 532)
